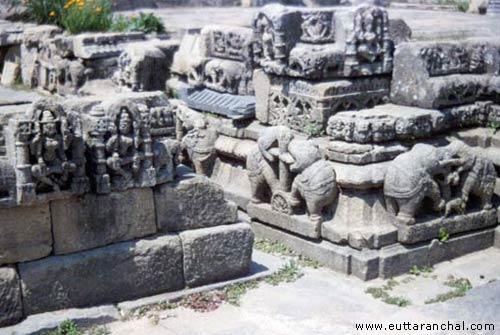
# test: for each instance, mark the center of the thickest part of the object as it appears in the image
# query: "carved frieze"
(449, 176)
(290, 175)
(326, 43)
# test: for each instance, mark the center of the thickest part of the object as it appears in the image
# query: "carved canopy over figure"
(50, 153)
(123, 146)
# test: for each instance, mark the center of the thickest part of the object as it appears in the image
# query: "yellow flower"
(52, 13)
(98, 9)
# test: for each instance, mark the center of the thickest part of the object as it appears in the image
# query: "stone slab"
(82, 317)
(298, 224)
(216, 253)
(398, 259)
(390, 261)
(25, 233)
(192, 202)
(11, 308)
(123, 271)
(263, 265)
(423, 231)
(97, 220)
(331, 255)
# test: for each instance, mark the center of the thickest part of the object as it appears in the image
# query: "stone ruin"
(360, 156)
(94, 208)
(85, 64)
(365, 157)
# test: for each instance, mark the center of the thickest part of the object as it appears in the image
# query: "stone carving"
(50, 153)
(224, 76)
(200, 145)
(228, 43)
(327, 43)
(298, 103)
(287, 172)
(122, 150)
(445, 74)
(370, 36)
(213, 71)
(142, 67)
(455, 59)
(318, 27)
(392, 122)
(446, 175)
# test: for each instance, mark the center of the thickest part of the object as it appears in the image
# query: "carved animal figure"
(317, 186)
(409, 179)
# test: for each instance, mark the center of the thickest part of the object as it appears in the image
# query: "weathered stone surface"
(398, 259)
(11, 66)
(360, 220)
(334, 256)
(298, 224)
(445, 73)
(103, 45)
(143, 67)
(110, 274)
(362, 154)
(216, 253)
(97, 220)
(348, 41)
(298, 103)
(400, 32)
(192, 202)
(11, 309)
(423, 231)
(25, 233)
(32, 39)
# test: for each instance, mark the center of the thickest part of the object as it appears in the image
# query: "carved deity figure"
(48, 147)
(265, 27)
(316, 26)
(124, 158)
(369, 34)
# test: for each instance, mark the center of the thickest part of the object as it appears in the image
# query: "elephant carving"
(409, 180)
(290, 172)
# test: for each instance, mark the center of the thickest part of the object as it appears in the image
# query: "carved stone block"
(98, 220)
(192, 202)
(297, 224)
(226, 42)
(394, 122)
(217, 253)
(299, 104)
(360, 220)
(445, 73)
(103, 45)
(428, 230)
(123, 152)
(323, 43)
(361, 154)
(122, 271)
(143, 67)
(25, 233)
(48, 153)
(11, 306)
